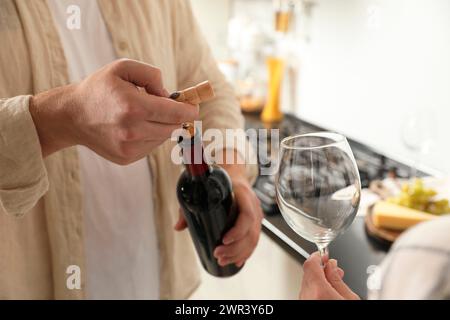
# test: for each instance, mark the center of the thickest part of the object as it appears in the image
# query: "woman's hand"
(324, 283)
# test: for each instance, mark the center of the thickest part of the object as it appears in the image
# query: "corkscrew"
(195, 95)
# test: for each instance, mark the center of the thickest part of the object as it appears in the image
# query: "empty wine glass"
(318, 186)
(419, 133)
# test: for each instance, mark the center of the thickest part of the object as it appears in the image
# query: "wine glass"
(419, 132)
(318, 187)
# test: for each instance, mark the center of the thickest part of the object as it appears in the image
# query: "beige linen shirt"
(41, 218)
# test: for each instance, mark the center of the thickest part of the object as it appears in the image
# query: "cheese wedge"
(392, 216)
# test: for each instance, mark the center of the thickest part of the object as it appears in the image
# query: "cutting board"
(381, 234)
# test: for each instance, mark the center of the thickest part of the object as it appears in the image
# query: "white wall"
(213, 16)
(368, 64)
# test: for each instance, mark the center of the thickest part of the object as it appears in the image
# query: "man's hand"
(324, 283)
(109, 113)
(241, 240)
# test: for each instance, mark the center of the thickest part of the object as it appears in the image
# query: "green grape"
(422, 199)
(418, 184)
(414, 195)
(405, 188)
(430, 193)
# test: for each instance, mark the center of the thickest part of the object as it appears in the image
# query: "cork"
(195, 95)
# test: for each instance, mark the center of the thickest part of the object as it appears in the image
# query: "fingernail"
(166, 93)
(174, 95)
(218, 253)
(227, 240)
(223, 262)
(334, 271)
(333, 263)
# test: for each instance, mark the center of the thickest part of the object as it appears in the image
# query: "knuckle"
(170, 131)
(121, 134)
(354, 296)
(151, 113)
(254, 217)
(320, 295)
(189, 113)
(179, 118)
(238, 234)
(255, 240)
(195, 112)
(111, 84)
(260, 215)
(307, 266)
(333, 277)
(126, 153)
(120, 159)
(122, 99)
(134, 112)
(128, 110)
(243, 257)
(257, 200)
(123, 162)
(121, 63)
(157, 73)
(127, 134)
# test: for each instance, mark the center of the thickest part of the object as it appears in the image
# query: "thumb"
(181, 223)
(334, 277)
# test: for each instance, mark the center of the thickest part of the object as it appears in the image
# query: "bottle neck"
(194, 159)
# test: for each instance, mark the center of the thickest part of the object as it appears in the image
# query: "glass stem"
(323, 251)
(414, 168)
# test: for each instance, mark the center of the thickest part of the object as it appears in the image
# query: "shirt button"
(123, 46)
(78, 231)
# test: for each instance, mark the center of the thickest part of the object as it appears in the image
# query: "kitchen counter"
(355, 251)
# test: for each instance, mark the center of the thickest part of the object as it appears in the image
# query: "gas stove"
(371, 164)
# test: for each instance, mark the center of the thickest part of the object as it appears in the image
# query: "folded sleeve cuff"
(23, 177)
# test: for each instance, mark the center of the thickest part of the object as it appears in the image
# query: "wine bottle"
(206, 198)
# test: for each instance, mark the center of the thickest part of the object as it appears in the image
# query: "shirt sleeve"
(195, 64)
(417, 266)
(23, 177)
